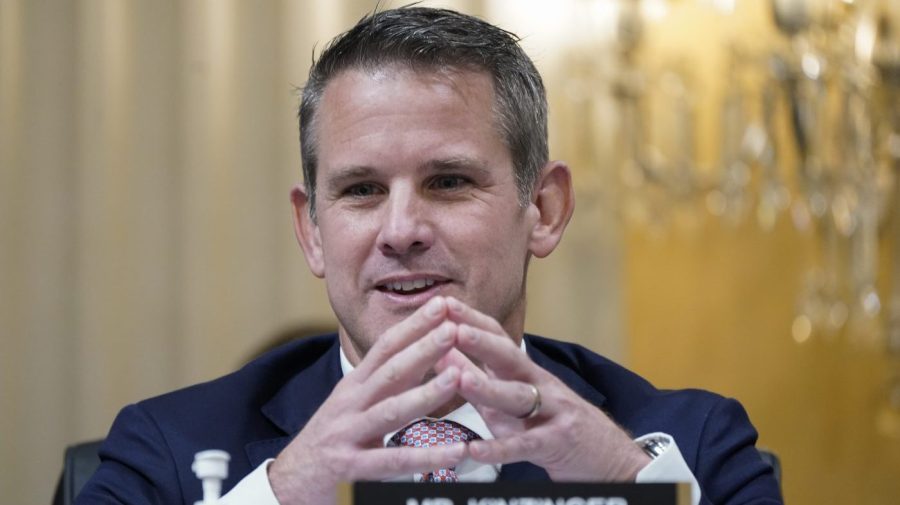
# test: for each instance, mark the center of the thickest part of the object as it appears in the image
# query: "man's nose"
(405, 226)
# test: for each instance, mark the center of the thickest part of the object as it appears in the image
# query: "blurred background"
(735, 162)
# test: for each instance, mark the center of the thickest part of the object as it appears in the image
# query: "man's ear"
(554, 200)
(307, 231)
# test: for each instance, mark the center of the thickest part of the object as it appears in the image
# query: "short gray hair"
(426, 38)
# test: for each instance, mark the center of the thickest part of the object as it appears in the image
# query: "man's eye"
(448, 182)
(361, 190)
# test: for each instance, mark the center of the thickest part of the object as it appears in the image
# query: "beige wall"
(146, 153)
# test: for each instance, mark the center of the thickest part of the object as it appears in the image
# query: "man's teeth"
(410, 285)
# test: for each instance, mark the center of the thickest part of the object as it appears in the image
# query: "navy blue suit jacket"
(253, 414)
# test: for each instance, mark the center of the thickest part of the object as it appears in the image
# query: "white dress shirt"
(669, 466)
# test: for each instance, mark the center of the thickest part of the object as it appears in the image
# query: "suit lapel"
(296, 402)
(563, 367)
(261, 450)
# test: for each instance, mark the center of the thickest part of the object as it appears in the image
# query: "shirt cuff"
(254, 489)
(668, 467)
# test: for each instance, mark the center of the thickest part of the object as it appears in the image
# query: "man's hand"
(344, 439)
(569, 437)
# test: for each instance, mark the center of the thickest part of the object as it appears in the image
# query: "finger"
(462, 313)
(380, 464)
(394, 412)
(525, 446)
(401, 335)
(406, 368)
(501, 425)
(497, 352)
(455, 357)
(513, 398)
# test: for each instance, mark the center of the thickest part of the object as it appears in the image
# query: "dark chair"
(80, 462)
(770, 458)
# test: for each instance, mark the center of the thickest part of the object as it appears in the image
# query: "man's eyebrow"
(345, 175)
(335, 183)
(450, 164)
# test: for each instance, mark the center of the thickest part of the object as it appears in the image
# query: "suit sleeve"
(729, 468)
(136, 466)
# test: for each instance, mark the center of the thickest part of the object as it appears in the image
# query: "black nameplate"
(513, 493)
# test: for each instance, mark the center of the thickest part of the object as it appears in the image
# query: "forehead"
(397, 110)
(361, 90)
(424, 72)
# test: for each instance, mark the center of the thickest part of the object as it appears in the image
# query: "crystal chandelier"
(833, 80)
(808, 130)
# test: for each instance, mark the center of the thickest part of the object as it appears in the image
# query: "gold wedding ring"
(536, 406)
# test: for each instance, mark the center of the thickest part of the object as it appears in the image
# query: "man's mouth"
(409, 286)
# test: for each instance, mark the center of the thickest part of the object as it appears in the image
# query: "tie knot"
(427, 433)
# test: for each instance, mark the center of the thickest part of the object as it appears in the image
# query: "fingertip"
(477, 449)
(467, 334)
(448, 359)
(449, 454)
(453, 453)
(455, 305)
(448, 377)
(469, 380)
(456, 358)
(435, 306)
(445, 334)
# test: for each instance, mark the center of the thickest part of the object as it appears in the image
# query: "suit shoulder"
(619, 385)
(713, 433)
(249, 386)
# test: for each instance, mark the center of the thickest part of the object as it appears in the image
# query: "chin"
(367, 336)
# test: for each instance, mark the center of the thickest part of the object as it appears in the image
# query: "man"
(428, 188)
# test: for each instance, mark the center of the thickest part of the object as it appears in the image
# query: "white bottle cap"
(211, 464)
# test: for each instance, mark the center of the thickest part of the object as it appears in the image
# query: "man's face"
(416, 197)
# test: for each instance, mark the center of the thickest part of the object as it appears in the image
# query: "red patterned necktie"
(426, 433)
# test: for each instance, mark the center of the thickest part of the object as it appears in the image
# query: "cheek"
(494, 245)
(349, 235)
(346, 245)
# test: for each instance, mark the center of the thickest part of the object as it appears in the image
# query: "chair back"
(80, 463)
(772, 459)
